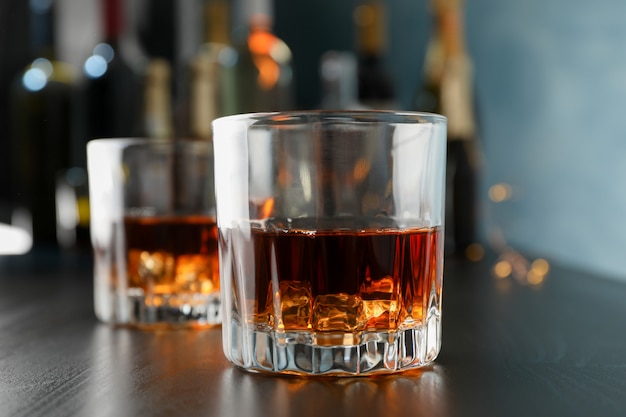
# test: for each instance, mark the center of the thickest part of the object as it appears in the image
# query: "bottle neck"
(455, 71)
(113, 20)
(251, 15)
(371, 31)
(450, 28)
(203, 97)
(446, 42)
(339, 81)
(216, 21)
(42, 29)
(435, 58)
(157, 100)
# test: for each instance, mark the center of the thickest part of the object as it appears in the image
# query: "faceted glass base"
(174, 310)
(337, 354)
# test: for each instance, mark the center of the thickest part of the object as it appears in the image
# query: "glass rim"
(125, 142)
(279, 118)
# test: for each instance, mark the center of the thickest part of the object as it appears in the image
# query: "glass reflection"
(408, 393)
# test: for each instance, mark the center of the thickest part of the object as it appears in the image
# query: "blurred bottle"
(41, 128)
(106, 106)
(203, 98)
(447, 89)
(111, 90)
(376, 89)
(204, 90)
(256, 75)
(156, 119)
(338, 71)
(157, 29)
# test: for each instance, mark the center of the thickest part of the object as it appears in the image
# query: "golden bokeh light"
(500, 192)
(534, 278)
(502, 269)
(475, 252)
(538, 271)
(540, 266)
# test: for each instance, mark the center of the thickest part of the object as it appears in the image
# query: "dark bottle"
(41, 129)
(159, 31)
(106, 106)
(447, 89)
(375, 85)
(111, 90)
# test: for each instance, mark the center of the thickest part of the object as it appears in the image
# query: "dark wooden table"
(509, 349)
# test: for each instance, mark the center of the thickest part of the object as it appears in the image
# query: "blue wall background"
(551, 88)
(551, 79)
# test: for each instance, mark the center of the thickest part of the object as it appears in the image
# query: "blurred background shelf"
(549, 88)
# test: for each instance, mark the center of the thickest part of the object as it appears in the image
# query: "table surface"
(509, 349)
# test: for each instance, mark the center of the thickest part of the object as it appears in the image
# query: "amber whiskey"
(172, 255)
(345, 281)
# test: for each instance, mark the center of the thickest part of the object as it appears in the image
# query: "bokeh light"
(475, 252)
(500, 192)
(502, 269)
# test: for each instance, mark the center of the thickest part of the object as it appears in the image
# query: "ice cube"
(154, 270)
(291, 305)
(197, 273)
(338, 312)
(381, 302)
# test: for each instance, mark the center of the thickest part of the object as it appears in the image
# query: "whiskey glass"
(330, 228)
(154, 232)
